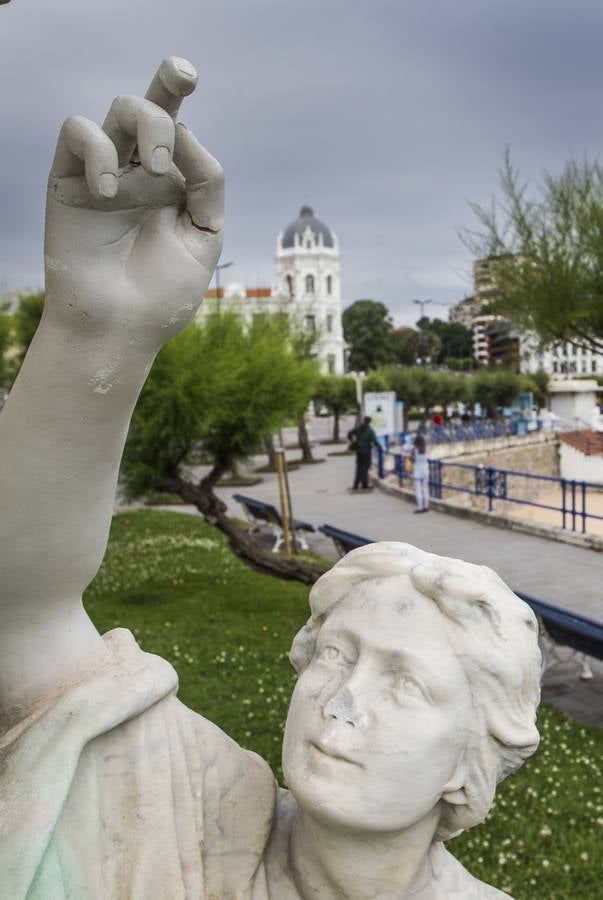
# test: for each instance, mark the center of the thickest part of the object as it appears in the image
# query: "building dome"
(305, 220)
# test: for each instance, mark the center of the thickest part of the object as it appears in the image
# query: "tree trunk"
(335, 426)
(242, 543)
(304, 440)
(269, 450)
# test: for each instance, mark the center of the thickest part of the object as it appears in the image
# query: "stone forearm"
(62, 434)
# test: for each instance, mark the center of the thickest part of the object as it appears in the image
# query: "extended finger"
(84, 148)
(175, 79)
(132, 121)
(204, 179)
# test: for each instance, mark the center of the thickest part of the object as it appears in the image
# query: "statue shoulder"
(456, 883)
(240, 770)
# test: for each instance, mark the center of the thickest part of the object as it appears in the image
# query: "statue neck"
(42, 651)
(331, 863)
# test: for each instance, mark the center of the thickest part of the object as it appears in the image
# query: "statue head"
(419, 680)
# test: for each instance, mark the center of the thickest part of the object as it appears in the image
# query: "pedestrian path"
(562, 574)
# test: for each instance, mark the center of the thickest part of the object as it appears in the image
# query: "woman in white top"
(420, 474)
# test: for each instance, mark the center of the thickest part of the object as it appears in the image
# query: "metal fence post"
(563, 499)
(397, 466)
(573, 505)
(435, 478)
(490, 487)
(583, 486)
(381, 462)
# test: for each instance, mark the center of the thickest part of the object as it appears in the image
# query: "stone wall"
(536, 454)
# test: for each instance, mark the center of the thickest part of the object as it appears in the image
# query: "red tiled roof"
(590, 443)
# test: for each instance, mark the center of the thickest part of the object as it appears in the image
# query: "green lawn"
(173, 581)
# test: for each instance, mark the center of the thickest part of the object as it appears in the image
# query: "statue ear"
(455, 798)
(454, 792)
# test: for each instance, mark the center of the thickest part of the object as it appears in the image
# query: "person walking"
(420, 474)
(362, 439)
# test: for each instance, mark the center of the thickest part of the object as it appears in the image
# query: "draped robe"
(114, 790)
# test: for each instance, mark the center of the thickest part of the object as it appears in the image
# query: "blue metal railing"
(477, 431)
(496, 485)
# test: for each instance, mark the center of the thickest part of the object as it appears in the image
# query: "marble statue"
(418, 675)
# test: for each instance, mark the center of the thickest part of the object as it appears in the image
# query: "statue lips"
(333, 753)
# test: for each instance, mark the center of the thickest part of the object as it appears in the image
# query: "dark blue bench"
(567, 629)
(559, 626)
(259, 513)
(344, 540)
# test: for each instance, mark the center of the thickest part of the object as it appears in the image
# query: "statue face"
(378, 720)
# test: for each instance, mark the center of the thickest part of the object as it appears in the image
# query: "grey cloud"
(385, 116)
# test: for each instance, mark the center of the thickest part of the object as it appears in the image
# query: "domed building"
(308, 281)
(307, 288)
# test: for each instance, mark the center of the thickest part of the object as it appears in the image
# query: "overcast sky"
(386, 116)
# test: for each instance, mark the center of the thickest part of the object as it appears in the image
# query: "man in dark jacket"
(362, 439)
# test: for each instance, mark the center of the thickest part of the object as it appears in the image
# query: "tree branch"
(242, 543)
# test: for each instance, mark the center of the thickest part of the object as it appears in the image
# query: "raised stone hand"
(133, 232)
(134, 217)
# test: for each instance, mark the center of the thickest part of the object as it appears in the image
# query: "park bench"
(260, 514)
(559, 628)
(562, 628)
(344, 540)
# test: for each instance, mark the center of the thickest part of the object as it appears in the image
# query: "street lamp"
(359, 378)
(218, 269)
(422, 304)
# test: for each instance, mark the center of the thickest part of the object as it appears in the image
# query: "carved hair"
(493, 633)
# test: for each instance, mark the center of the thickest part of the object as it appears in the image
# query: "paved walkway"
(562, 574)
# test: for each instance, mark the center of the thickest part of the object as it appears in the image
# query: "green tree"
(424, 388)
(538, 383)
(429, 348)
(5, 343)
(496, 389)
(455, 341)
(547, 246)
(223, 386)
(303, 342)
(375, 381)
(25, 324)
(368, 327)
(405, 343)
(338, 394)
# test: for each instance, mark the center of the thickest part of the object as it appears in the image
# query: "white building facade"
(309, 284)
(307, 289)
(563, 359)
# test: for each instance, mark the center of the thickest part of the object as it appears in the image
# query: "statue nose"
(343, 708)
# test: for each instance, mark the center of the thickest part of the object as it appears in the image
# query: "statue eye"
(406, 686)
(329, 653)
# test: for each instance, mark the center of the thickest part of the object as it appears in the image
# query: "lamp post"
(218, 269)
(359, 378)
(422, 304)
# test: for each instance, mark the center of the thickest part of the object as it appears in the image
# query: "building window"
(311, 324)
(309, 245)
(289, 285)
(329, 284)
(309, 284)
(593, 365)
(329, 323)
(555, 366)
(331, 363)
(584, 367)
